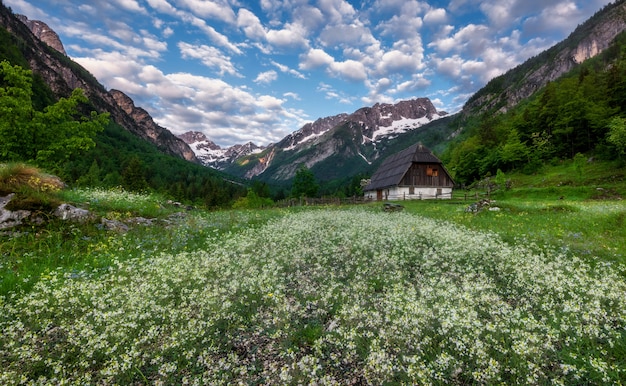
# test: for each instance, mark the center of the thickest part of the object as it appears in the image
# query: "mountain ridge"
(588, 40)
(63, 75)
(382, 120)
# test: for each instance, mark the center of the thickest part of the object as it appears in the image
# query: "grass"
(533, 293)
(304, 297)
(593, 229)
(33, 251)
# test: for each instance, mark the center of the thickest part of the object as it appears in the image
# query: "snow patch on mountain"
(211, 154)
(401, 126)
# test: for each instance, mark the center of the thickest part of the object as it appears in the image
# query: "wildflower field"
(321, 296)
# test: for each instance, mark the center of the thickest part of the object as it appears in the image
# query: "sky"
(242, 71)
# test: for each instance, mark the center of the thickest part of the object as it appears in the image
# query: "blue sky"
(255, 71)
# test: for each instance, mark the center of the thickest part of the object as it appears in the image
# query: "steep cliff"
(64, 75)
(43, 33)
(588, 40)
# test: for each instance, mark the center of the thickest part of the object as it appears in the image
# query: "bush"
(20, 177)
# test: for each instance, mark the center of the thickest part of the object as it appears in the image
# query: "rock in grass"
(72, 213)
(9, 218)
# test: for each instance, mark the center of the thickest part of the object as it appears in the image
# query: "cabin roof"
(394, 167)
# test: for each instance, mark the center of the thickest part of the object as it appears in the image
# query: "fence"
(308, 201)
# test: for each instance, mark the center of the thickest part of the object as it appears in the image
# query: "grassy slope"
(580, 211)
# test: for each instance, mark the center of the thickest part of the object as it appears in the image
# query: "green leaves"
(304, 183)
(46, 137)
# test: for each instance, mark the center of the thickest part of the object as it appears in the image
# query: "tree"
(252, 201)
(46, 137)
(133, 177)
(513, 152)
(617, 134)
(92, 178)
(304, 183)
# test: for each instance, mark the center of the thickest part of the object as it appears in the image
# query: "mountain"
(211, 154)
(43, 33)
(566, 103)
(588, 40)
(334, 146)
(47, 59)
(132, 151)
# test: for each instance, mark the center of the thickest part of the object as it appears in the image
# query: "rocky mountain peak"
(211, 154)
(388, 119)
(43, 33)
(193, 136)
(150, 129)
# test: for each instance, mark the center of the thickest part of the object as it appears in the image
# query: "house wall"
(426, 175)
(404, 193)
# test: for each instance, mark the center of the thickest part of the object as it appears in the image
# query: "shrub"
(17, 176)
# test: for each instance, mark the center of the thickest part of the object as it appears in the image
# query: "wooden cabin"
(411, 174)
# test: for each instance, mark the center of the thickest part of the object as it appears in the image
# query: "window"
(432, 172)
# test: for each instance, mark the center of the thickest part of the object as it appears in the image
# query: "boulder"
(72, 213)
(114, 225)
(9, 218)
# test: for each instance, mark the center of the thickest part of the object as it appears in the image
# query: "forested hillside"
(582, 112)
(119, 158)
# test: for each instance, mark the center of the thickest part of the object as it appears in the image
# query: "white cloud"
(250, 24)
(557, 17)
(266, 77)
(292, 95)
(436, 16)
(293, 35)
(211, 9)
(346, 35)
(210, 57)
(336, 11)
(349, 69)
(315, 58)
(167, 32)
(131, 5)
(288, 70)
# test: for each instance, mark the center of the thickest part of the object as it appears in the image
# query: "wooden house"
(413, 173)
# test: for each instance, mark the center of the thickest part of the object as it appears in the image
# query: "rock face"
(311, 130)
(153, 132)
(587, 41)
(9, 218)
(211, 154)
(63, 75)
(43, 33)
(69, 212)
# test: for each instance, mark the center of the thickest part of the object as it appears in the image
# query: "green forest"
(580, 114)
(69, 138)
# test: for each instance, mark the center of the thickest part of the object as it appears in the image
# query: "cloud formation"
(256, 71)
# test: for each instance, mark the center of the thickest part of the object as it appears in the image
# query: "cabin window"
(432, 172)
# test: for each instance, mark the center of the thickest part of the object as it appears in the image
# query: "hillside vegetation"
(533, 293)
(102, 154)
(583, 112)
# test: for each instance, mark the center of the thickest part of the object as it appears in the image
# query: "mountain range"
(335, 147)
(374, 126)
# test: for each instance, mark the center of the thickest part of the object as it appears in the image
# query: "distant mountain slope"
(557, 106)
(588, 40)
(63, 75)
(334, 147)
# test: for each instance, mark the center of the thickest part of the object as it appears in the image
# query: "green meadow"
(530, 293)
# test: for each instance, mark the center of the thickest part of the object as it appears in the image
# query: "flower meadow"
(326, 296)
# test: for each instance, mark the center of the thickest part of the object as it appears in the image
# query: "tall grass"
(30, 252)
(326, 297)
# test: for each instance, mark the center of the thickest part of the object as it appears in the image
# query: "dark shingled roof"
(392, 170)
